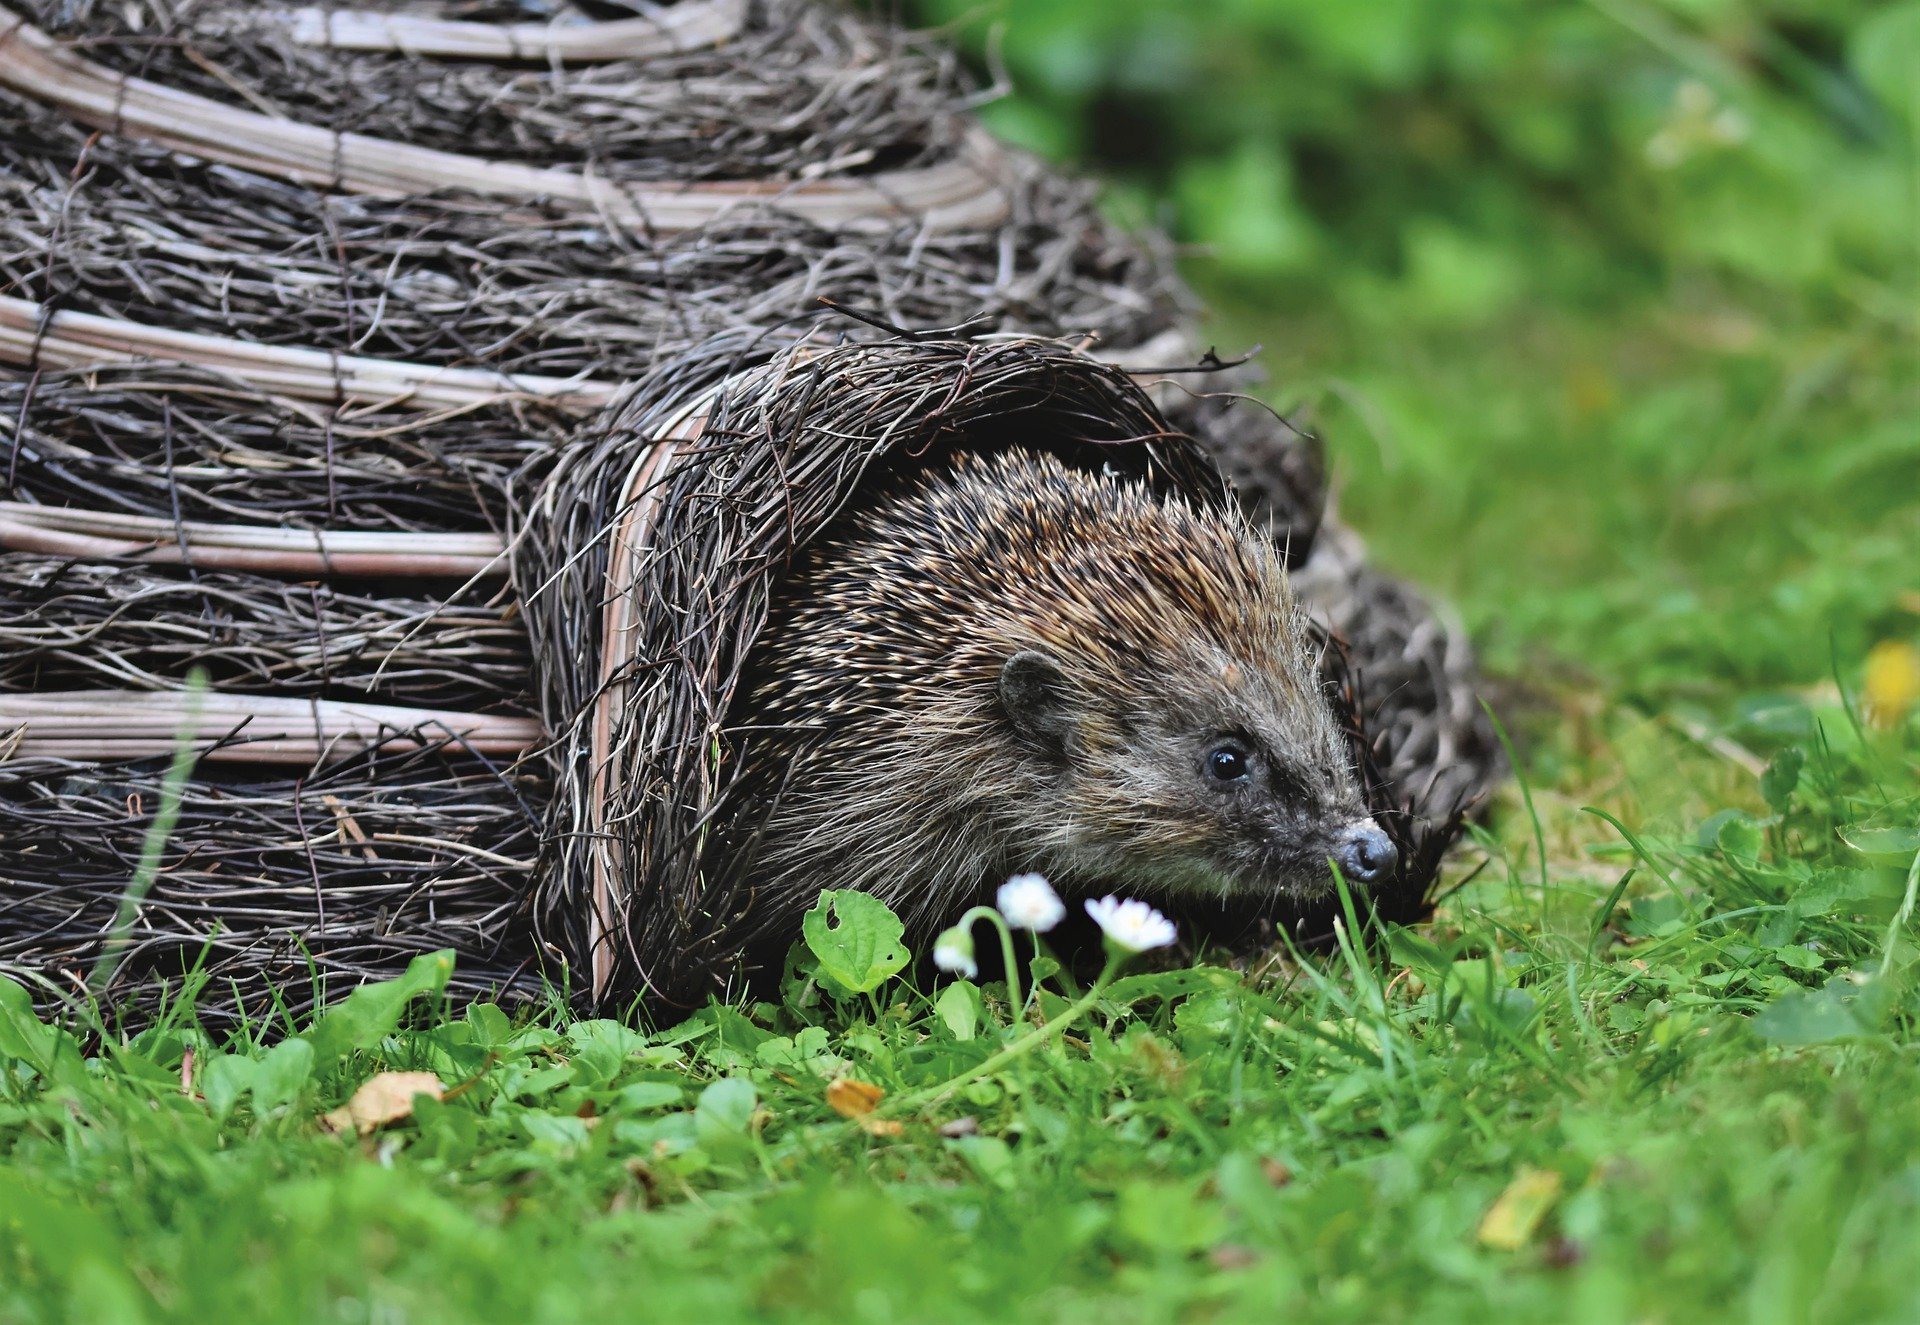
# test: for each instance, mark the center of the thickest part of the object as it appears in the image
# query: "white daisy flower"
(953, 951)
(1131, 926)
(1028, 901)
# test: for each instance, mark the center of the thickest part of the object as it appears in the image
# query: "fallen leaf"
(384, 1098)
(853, 1099)
(1516, 1213)
(1892, 682)
(881, 1126)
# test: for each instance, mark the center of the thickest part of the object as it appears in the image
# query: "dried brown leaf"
(1516, 1213)
(384, 1098)
(853, 1099)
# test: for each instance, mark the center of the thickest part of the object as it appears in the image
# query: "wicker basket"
(461, 435)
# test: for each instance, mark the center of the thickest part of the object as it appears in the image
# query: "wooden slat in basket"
(688, 26)
(110, 536)
(628, 542)
(257, 729)
(30, 338)
(962, 193)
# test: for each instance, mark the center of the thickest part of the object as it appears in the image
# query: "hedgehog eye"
(1227, 762)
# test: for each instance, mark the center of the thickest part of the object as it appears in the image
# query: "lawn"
(1655, 1058)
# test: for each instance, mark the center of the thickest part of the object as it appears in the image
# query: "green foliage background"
(1608, 309)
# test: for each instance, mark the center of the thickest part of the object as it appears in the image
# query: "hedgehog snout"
(1364, 853)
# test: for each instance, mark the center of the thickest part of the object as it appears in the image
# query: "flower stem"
(1015, 1000)
(933, 1094)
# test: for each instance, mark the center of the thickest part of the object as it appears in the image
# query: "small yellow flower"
(1893, 682)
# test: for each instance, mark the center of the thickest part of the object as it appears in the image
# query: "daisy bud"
(953, 951)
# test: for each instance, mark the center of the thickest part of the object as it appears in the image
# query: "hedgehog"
(1009, 664)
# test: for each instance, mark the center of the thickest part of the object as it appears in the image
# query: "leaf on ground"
(224, 1078)
(371, 1012)
(384, 1098)
(282, 1075)
(23, 1036)
(853, 1099)
(857, 939)
(1782, 776)
(1740, 838)
(1515, 1215)
(725, 1108)
(1170, 1216)
(959, 1009)
(1849, 1006)
(1164, 985)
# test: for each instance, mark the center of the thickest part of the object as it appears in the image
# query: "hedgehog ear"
(1033, 690)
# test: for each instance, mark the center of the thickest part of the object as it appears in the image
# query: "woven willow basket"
(453, 385)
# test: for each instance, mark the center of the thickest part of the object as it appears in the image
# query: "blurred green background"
(1607, 310)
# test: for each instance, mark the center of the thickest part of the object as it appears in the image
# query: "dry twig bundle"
(79, 625)
(109, 227)
(275, 890)
(793, 92)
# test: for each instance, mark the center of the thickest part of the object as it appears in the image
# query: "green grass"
(1694, 1047)
(1666, 1073)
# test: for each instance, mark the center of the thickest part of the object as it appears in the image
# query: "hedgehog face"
(1276, 815)
(1233, 782)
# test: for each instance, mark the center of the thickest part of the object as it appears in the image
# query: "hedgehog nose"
(1364, 853)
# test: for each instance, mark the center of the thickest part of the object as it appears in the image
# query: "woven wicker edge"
(688, 26)
(964, 192)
